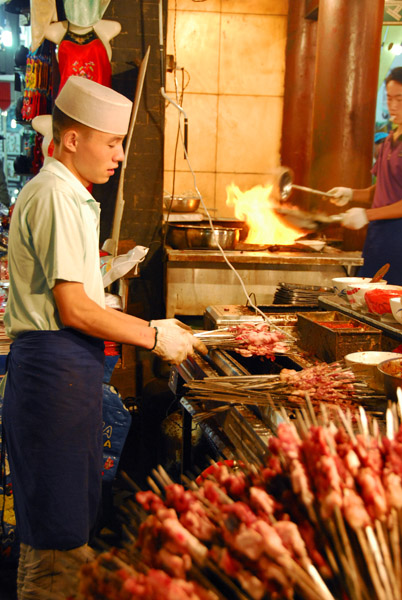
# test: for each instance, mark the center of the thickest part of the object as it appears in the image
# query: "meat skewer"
(320, 518)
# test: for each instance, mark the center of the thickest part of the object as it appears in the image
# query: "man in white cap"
(56, 317)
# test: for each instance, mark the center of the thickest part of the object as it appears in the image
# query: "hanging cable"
(182, 134)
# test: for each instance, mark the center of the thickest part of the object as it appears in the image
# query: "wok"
(306, 220)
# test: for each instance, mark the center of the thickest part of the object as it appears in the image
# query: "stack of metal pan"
(298, 294)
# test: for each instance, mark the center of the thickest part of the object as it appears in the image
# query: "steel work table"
(196, 279)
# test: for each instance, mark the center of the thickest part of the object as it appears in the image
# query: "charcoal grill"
(240, 431)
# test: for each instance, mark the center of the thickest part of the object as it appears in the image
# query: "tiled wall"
(234, 53)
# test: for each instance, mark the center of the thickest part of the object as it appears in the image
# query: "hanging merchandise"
(37, 93)
(86, 12)
(85, 56)
(43, 12)
(37, 155)
(17, 7)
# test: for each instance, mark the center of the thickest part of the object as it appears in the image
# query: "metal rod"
(307, 189)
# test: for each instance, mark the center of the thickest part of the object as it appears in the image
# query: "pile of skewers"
(332, 384)
(250, 339)
(320, 520)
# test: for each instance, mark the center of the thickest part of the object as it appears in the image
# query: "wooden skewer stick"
(379, 590)
(396, 549)
(373, 543)
(353, 571)
(385, 551)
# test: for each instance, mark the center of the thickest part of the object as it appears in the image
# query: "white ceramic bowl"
(364, 366)
(355, 293)
(340, 283)
(396, 307)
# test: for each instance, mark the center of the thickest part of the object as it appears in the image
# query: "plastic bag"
(113, 268)
(116, 425)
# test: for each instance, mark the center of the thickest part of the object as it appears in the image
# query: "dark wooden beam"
(312, 9)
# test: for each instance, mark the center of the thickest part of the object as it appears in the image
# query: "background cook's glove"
(168, 323)
(355, 218)
(174, 344)
(341, 195)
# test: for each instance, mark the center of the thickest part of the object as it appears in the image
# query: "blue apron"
(383, 245)
(52, 418)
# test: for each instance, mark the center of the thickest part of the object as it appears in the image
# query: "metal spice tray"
(329, 343)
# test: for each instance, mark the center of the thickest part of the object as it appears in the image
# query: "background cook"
(383, 242)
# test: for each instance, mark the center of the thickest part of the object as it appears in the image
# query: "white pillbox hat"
(95, 105)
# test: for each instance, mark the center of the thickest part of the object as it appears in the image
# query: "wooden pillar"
(345, 94)
(298, 96)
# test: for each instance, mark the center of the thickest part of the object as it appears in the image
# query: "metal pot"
(183, 237)
(391, 370)
(181, 204)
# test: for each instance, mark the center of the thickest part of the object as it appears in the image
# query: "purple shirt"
(388, 170)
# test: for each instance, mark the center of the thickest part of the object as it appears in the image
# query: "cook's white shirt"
(54, 234)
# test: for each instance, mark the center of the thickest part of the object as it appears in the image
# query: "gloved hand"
(174, 344)
(168, 323)
(355, 218)
(341, 195)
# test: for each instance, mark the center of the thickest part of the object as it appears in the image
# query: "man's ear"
(70, 137)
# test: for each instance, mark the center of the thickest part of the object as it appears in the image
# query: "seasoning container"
(330, 335)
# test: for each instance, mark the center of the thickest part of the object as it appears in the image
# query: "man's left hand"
(355, 218)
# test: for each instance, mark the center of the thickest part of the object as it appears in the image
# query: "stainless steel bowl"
(183, 237)
(391, 370)
(181, 204)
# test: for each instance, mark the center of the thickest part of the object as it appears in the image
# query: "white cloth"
(341, 195)
(355, 218)
(54, 234)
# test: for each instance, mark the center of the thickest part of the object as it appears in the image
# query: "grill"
(242, 431)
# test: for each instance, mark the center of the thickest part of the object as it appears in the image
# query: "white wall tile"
(201, 111)
(196, 49)
(252, 56)
(249, 130)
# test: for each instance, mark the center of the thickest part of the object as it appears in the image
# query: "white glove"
(341, 195)
(174, 344)
(168, 323)
(355, 218)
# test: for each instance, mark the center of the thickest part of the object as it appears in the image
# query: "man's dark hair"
(61, 122)
(395, 75)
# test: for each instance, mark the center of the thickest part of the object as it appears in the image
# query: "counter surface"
(329, 256)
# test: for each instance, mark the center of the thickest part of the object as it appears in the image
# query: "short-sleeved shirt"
(54, 235)
(388, 170)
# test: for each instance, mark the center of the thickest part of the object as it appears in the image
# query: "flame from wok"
(257, 208)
